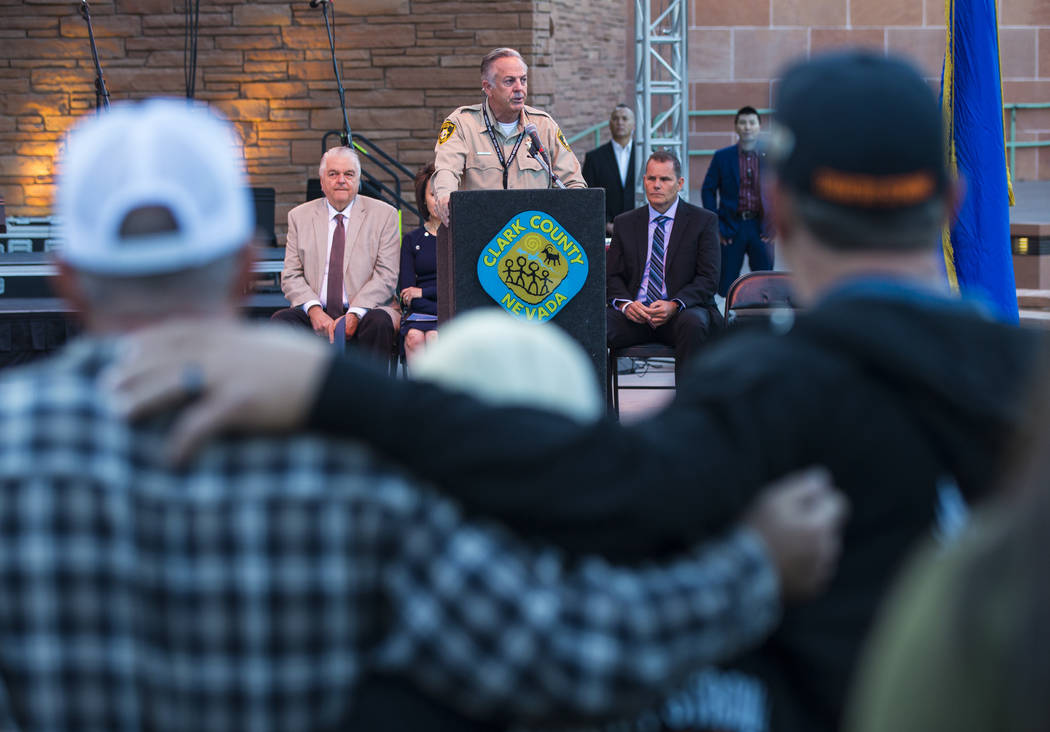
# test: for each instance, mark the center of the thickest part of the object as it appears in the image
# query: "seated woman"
(417, 282)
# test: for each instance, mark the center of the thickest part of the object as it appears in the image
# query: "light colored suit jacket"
(370, 262)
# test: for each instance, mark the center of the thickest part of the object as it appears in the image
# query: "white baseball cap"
(505, 360)
(162, 153)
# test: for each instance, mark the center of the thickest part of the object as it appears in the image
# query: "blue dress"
(419, 269)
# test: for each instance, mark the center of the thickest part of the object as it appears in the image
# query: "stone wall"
(405, 64)
(736, 48)
(593, 44)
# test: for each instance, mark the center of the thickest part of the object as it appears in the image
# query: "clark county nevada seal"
(532, 267)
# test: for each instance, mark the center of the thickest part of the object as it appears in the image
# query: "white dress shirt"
(623, 158)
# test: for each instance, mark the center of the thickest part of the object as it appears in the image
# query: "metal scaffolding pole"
(661, 32)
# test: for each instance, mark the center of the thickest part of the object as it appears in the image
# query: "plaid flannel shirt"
(251, 590)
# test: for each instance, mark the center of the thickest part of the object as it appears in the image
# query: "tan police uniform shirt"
(466, 160)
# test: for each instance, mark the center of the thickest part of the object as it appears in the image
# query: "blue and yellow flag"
(977, 247)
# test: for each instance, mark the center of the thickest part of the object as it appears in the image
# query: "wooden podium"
(538, 254)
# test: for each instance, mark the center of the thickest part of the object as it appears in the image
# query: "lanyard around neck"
(505, 162)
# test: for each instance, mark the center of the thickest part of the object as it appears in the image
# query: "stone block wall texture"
(736, 49)
(407, 63)
(593, 63)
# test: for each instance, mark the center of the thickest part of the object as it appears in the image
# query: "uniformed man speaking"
(484, 146)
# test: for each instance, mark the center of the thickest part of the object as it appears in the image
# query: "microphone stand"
(101, 93)
(344, 135)
(542, 159)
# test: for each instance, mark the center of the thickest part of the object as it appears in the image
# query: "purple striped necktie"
(655, 289)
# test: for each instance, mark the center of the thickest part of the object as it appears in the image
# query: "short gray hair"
(666, 156)
(341, 150)
(495, 54)
(199, 290)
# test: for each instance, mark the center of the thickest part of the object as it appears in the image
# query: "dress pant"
(747, 240)
(375, 333)
(686, 332)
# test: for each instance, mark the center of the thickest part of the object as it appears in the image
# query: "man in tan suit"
(366, 260)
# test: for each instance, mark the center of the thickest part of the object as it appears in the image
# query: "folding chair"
(642, 351)
(756, 296)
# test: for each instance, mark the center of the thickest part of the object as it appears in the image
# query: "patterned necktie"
(655, 289)
(335, 270)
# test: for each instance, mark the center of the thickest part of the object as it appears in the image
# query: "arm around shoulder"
(663, 615)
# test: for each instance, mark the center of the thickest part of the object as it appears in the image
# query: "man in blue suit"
(732, 187)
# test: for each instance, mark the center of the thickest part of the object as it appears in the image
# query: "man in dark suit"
(662, 268)
(732, 187)
(611, 166)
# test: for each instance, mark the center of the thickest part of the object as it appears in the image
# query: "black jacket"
(600, 170)
(896, 392)
(692, 265)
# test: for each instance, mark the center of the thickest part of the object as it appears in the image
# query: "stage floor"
(636, 404)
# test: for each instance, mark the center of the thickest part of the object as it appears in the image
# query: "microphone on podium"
(534, 138)
(538, 152)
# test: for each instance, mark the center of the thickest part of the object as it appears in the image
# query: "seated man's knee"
(376, 330)
(619, 331)
(695, 322)
(291, 316)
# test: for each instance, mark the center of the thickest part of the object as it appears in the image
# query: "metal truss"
(661, 33)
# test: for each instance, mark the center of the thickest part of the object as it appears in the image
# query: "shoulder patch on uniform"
(563, 141)
(447, 128)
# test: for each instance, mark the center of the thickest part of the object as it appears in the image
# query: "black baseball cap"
(861, 131)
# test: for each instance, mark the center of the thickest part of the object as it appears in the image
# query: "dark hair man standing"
(733, 189)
